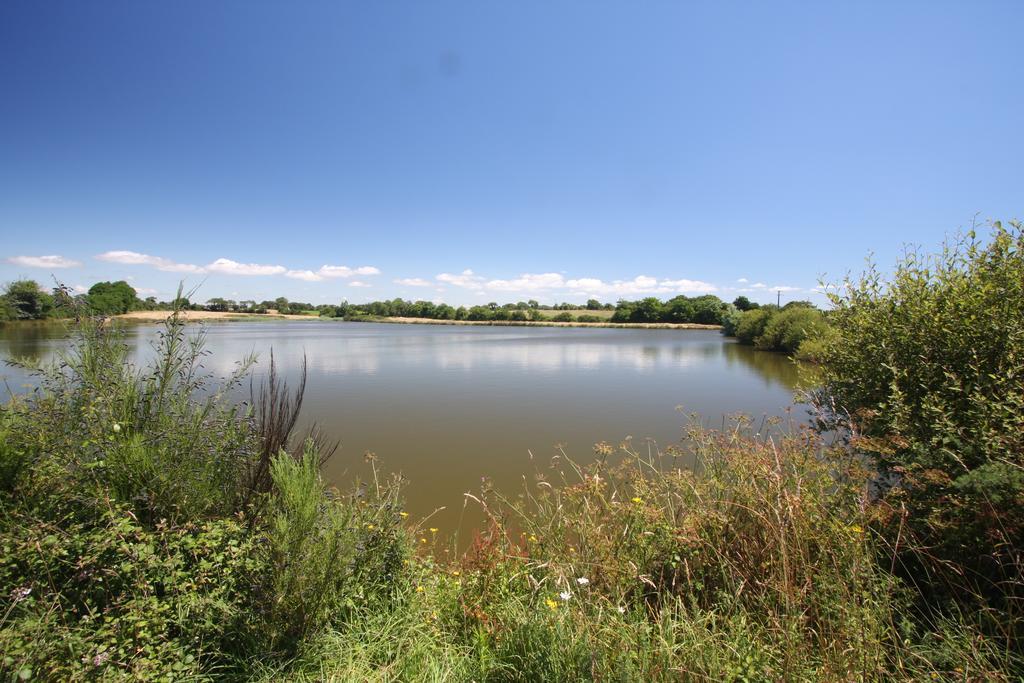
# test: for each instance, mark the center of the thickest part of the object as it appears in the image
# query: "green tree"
(742, 303)
(25, 300)
(647, 310)
(112, 298)
(217, 304)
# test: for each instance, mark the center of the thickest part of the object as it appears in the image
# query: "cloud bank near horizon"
(50, 261)
(525, 285)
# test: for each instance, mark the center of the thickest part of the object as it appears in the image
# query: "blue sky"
(480, 151)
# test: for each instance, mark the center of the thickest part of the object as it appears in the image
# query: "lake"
(447, 405)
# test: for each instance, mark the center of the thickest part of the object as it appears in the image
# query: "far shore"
(158, 316)
(545, 323)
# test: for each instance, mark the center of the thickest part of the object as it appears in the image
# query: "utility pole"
(778, 299)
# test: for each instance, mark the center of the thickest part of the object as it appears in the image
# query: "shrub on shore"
(785, 329)
(141, 538)
(925, 373)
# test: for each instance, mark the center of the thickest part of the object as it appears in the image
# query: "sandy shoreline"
(159, 316)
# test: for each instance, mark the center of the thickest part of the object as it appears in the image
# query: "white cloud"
(80, 289)
(554, 282)
(689, 286)
(145, 291)
(307, 275)
(229, 267)
(465, 279)
(158, 262)
(331, 272)
(413, 282)
(785, 288)
(528, 282)
(641, 284)
(357, 283)
(345, 271)
(758, 285)
(51, 261)
(743, 280)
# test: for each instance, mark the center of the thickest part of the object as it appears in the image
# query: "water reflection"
(773, 368)
(32, 340)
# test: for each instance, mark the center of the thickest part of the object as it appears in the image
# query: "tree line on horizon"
(26, 300)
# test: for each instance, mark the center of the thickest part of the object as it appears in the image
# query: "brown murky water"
(446, 406)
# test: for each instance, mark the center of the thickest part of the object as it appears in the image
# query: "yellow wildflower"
(637, 500)
(419, 589)
(857, 529)
(433, 529)
(552, 605)
(532, 539)
(404, 514)
(456, 573)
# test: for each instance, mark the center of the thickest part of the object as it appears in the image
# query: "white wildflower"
(583, 581)
(565, 595)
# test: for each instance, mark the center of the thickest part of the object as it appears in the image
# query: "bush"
(788, 328)
(563, 318)
(152, 530)
(924, 374)
(731, 320)
(586, 318)
(111, 597)
(326, 559)
(753, 323)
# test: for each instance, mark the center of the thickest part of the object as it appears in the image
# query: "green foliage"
(326, 559)
(771, 328)
(563, 318)
(742, 303)
(703, 310)
(790, 327)
(925, 371)
(753, 323)
(140, 437)
(25, 300)
(112, 298)
(108, 597)
(731, 320)
(756, 564)
(134, 541)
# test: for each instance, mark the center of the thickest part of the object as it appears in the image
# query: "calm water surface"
(447, 405)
